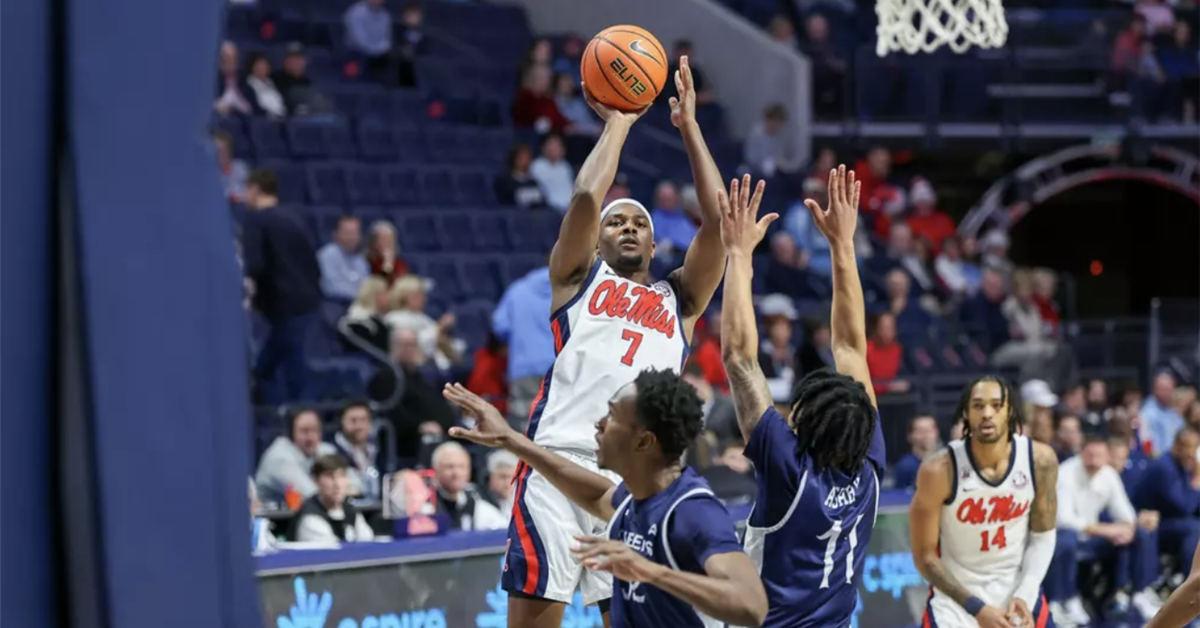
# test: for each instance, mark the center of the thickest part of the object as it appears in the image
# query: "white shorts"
(544, 525)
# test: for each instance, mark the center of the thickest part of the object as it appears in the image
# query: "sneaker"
(1076, 612)
(1146, 603)
(1118, 606)
(1062, 619)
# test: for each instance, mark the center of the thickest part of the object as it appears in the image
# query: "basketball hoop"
(914, 26)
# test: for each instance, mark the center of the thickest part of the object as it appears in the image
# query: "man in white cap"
(610, 321)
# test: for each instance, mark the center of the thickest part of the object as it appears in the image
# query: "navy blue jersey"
(680, 527)
(809, 530)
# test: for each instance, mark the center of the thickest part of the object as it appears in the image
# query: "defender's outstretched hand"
(839, 220)
(683, 107)
(490, 430)
(609, 114)
(741, 228)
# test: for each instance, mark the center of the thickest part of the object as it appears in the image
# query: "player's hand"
(839, 220)
(491, 430)
(1019, 615)
(609, 114)
(601, 554)
(741, 228)
(993, 617)
(683, 108)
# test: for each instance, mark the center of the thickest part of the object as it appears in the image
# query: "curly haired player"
(671, 546)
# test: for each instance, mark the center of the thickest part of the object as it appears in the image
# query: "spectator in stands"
(457, 497)
(619, 189)
(355, 442)
(343, 266)
(232, 92)
(534, 106)
(719, 415)
(1068, 436)
(1030, 347)
(553, 174)
(984, 311)
(885, 356)
(328, 516)
(995, 252)
(488, 377)
(706, 350)
(911, 318)
(673, 228)
(1160, 420)
(266, 99)
(956, 431)
(902, 252)
(383, 254)
(411, 44)
(515, 186)
(1041, 423)
(829, 69)
(770, 147)
(260, 528)
(541, 52)
(1159, 17)
(1045, 287)
(927, 221)
(573, 106)
(787, 272)
(286, 464)
(1151, 83)
(1125, 458)
(1088, 487)
(704, 91)
(299, 94)
(923, 439)
(816, 351)
(730, 475)
(1127, 50)
(1181, 66)
(280, 260)
(502, 470)
(797, 222)
(1097, 411)
(364, 319)
(1171, 487)
(409, 299)
(369, 34)
(421, 414)
(234, 173)
(782, 31)
(958, 275)
(520, 320)
(777, 354)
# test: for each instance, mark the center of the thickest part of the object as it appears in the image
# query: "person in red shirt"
(926, 221)
(885, 356)
(489, 374)
(383, 254)
(534, 107)
(706, 352)
(1045, 283)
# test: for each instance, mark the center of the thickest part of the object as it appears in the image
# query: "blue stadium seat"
(339, 143)
(479, 277)
(489, 230)
(365, 185)
(454, 229)
(268, 138)
(243, 148)
(417, 231)
(475, 187)
(436, 187)
(376, 142)
(406, 105)
(305, 139)
(474, 321)
(291, 181)
(324, 221)
(400, 186)
(411, 145)
(369, 215)
(327, 184)
(520, 264)
(443, 270)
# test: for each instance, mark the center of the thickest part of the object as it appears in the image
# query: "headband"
(627, 201)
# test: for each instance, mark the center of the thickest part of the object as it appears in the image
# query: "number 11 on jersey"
(831, 537)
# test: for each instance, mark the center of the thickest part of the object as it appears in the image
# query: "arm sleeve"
(701, 528)
(1039, 549)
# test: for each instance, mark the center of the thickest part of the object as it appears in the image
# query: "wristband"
(973, 605)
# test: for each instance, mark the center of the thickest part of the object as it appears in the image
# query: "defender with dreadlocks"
(671, 546)
(818, 469)
(982, 519)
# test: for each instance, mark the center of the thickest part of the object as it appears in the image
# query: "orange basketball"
(624, 67)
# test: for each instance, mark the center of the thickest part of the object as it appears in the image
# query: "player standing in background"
(818, 469)
(609, 323)
(982, 519)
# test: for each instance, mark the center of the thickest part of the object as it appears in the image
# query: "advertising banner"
(465, 592)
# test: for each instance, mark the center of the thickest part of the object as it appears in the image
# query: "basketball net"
(914, 26)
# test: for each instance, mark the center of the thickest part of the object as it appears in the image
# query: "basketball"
(624, 67)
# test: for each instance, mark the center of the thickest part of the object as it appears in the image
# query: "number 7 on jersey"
(634, 339)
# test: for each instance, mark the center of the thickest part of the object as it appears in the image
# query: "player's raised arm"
(705, 260)
(1039, 548)
(848, 318)
(593, 492)
(575, 250)
(934, 487)
(741, 231)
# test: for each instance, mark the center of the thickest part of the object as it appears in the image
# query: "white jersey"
(603, 337)
(983, 530)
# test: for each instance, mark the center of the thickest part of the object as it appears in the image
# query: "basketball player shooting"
(670, 543)
(610, 322)
(818, 469)
(982, 519)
